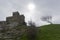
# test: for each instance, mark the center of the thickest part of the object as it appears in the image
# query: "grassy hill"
(46, 32)
(49, 32)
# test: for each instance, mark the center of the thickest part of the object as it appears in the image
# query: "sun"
(31, 6)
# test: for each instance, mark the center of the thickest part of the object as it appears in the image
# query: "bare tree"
(47, 19)
(31, 23)
(31, 32)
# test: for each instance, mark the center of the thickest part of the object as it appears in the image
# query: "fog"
(42, 8)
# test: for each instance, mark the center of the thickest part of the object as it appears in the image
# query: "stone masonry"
(14, 20)
(7, 28)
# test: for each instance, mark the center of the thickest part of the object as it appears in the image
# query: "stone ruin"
(14, 20)
(7, 28)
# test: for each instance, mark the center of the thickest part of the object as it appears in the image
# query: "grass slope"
(49, 32)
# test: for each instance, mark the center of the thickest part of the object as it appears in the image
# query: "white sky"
(43, 8)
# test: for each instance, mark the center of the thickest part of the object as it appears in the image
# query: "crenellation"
(16, 13)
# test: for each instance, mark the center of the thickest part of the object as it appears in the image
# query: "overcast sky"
(42, 8)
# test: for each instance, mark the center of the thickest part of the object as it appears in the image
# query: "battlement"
(16, 13)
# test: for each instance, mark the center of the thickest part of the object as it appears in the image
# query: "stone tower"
(16, 19)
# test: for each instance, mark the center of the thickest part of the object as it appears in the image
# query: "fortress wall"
(14, 20)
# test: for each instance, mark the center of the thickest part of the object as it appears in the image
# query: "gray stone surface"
(14, 20)
(6, 27)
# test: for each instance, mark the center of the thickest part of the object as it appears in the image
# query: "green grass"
(49, 32)
(46, 32)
